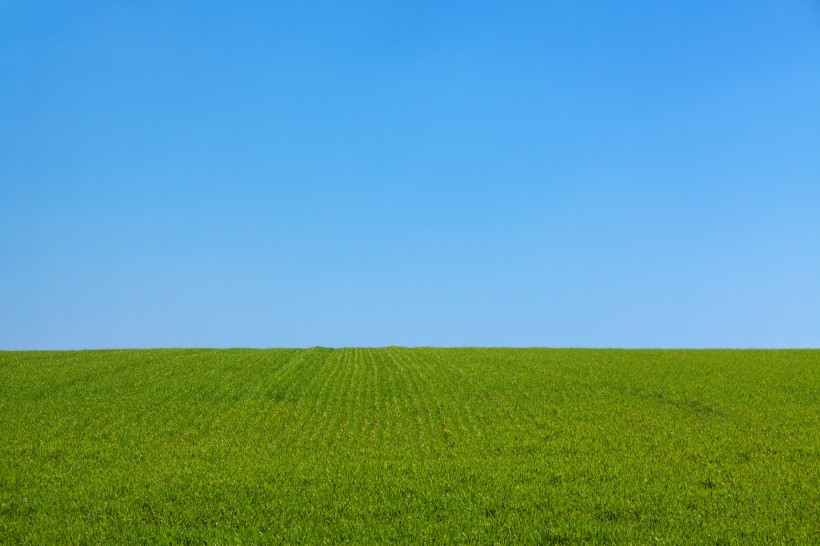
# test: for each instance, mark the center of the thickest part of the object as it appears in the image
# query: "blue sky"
(600, 174)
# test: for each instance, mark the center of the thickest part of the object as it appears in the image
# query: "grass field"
(410, 445)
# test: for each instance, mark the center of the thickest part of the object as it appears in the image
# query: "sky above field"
(601, 174)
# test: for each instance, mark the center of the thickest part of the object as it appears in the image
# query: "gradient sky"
(627, 174)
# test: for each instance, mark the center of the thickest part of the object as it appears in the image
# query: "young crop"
(409, 445)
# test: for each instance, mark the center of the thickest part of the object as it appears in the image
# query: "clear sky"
(600, 174)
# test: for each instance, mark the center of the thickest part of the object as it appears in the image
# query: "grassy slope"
(435, 445)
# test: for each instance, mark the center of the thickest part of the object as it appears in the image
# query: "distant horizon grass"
(410, 445)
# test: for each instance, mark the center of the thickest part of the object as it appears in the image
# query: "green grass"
(410, 445)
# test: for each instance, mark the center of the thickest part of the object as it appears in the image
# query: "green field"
(410, 445)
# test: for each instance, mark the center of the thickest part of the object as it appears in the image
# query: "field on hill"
(411, 445)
